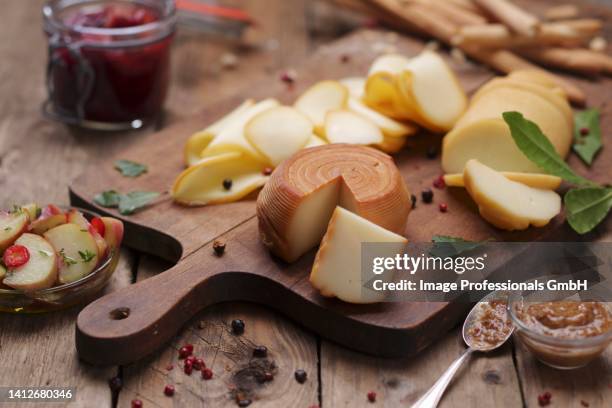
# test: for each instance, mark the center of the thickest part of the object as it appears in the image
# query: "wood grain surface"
(38, 159)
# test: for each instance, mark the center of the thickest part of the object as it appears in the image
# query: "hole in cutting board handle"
(120, 313)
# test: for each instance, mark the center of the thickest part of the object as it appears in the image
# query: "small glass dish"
(556, 352)
(62, 296)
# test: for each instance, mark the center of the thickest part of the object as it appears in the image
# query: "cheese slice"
(296, 204)
(543, 181)
(337, 269)
(507, 204)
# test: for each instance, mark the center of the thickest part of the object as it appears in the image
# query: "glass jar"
(109, 61)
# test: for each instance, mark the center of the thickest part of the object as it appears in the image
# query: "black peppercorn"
(432, 152)
(260, 351)
(427, 196)
(300, 376)
(227, 184)
(237, 326)
(413, 201)
(244, 402)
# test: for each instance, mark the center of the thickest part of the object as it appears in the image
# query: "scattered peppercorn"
(267, 171)
(345, 58)
(199, 364)
(427, 196)
(413, 201)
(207, 374)
(268, 376)
(227, 184)
(439, 183)
(244, 402)
(188, 368)
(136, 403)
(184, 352)
(190, 359)
(584, 131)
(169, 390)
(289, 77)
(372, 396)
(115, 384)
(300, 376)
(219, 247)
(544, 399)
(584, 403)
(443, 207)
(260, 351)
(169, 367)
(237, 327)
(432, 152)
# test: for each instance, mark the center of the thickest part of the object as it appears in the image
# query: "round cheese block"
(295, 206)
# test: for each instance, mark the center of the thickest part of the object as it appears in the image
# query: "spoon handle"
(434, 394)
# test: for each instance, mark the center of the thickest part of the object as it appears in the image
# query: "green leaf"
(131, 202)
(587, 207)
(109, 198)
(129, 168)
(68, 261)
(536, 146)
(587, 146)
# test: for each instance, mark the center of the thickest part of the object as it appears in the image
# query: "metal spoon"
(433, 396)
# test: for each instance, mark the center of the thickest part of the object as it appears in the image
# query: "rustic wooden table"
(39, 158)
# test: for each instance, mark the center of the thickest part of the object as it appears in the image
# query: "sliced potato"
(355, 86)
(278, 133)
(315, 141)
(543, 181)
(320, 98)
(433, 89)
(383, 95)
(40, 272)
(389, 127)
(200, 140)
(207, 181)
(231, 139)
(391, 144)
(507, 204)
(390, 63)
(345, 126)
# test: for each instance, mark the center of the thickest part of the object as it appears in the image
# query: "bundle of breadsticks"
(503, 35)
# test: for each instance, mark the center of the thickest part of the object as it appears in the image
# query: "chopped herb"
(587, 205)
(44, 253)
(587, 135)
(127, 203)
(68, 261)
(130, 168)
(7, 228)
(87, 256)
(131, 202)
(109, 198)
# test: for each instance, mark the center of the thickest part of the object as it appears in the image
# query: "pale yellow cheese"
(337, 269)
(543, 181)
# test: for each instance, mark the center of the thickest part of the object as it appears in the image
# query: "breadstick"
(450, 12)
(578, 60)
(466, 5)
(514, 17)
(561, 12)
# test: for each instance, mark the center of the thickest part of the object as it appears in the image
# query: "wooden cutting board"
(156, 308)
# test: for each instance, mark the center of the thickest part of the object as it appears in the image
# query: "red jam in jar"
(109, 61)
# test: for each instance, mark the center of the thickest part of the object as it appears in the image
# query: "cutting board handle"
(132, 322)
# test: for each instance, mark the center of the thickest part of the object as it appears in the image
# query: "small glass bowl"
(62, 296)
(560, 353)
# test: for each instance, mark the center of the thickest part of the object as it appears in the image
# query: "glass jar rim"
(165, 24)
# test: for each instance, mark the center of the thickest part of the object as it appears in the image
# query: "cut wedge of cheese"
(296, 204)
(232, 139)
(200, 140)
(355, 86)
(278, 132)
(345, 126)
(543, 181)
(207, 181)
(383, 95)
(391, 144)
(320, 98)
(389, 127)
(507, 204)
(482, 134)
(433, 90)
(337, 269)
